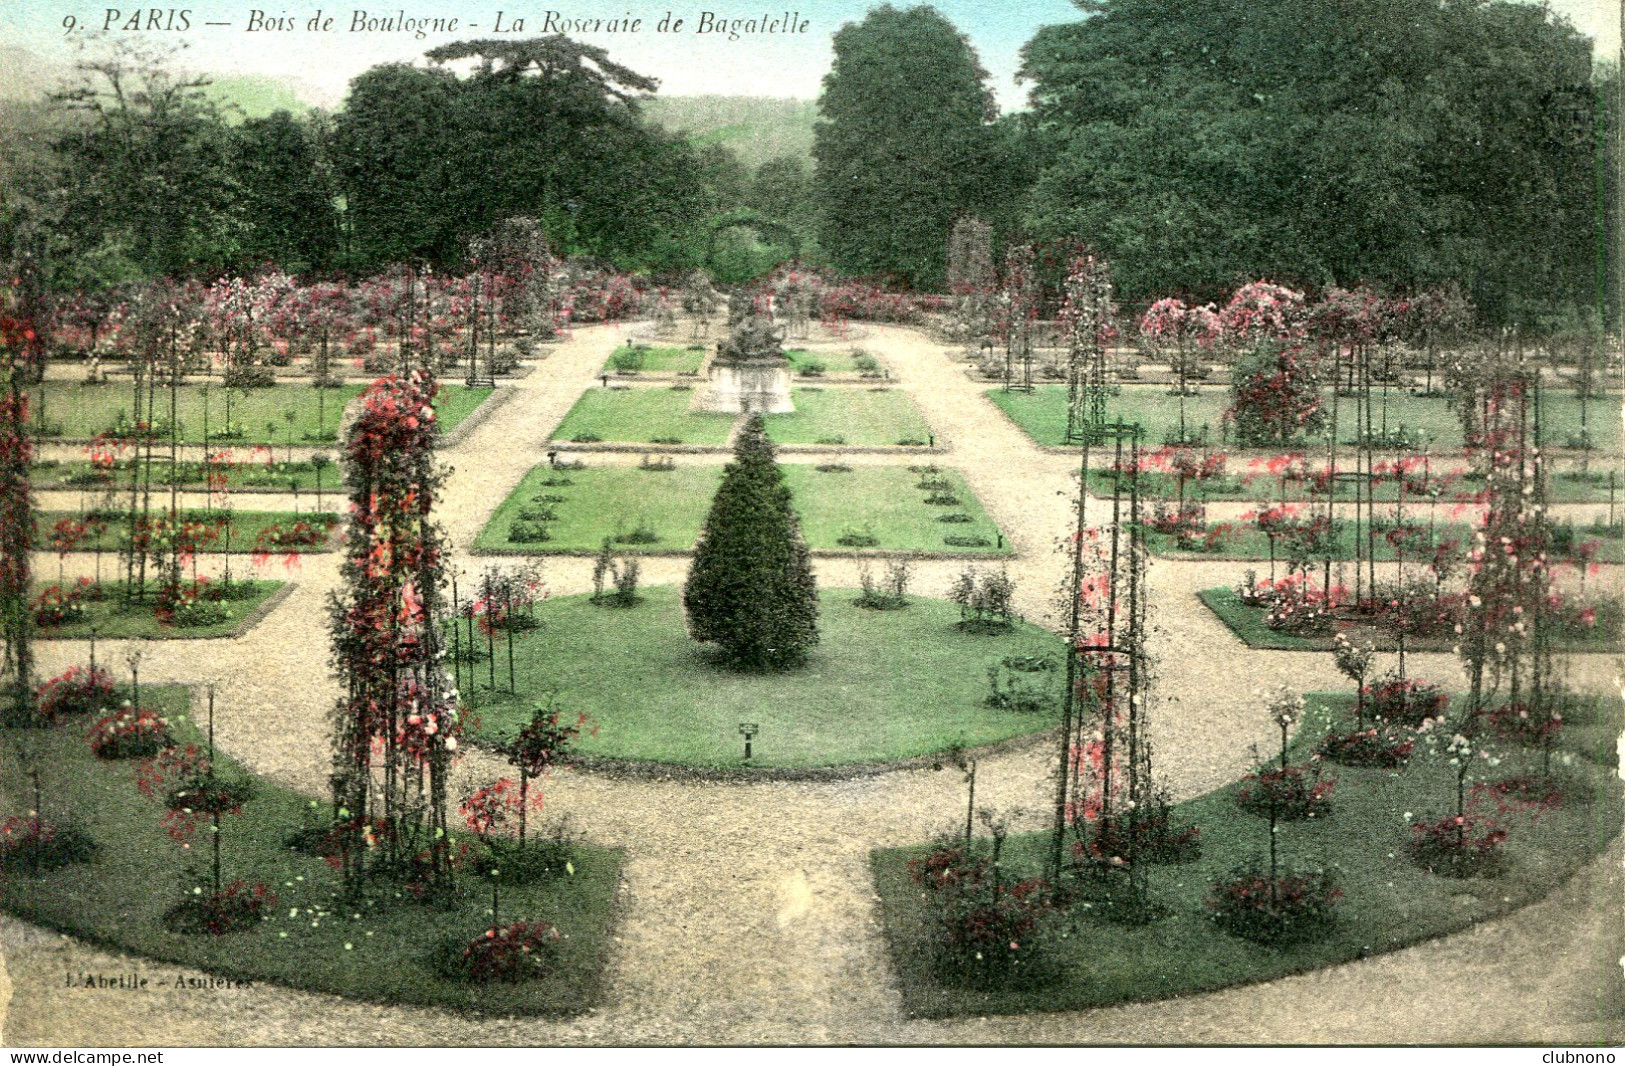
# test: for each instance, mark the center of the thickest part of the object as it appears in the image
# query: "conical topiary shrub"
(751, 589)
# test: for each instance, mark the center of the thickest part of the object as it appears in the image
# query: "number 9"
(69, 23)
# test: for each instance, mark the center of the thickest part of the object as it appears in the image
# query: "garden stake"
(214, 817)
(133, 659)
(970, 804)
(471, 682)
(490, 639)
(456, 643)
(507, 620)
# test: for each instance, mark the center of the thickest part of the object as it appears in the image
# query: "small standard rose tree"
(1354, 662)
(541, 745)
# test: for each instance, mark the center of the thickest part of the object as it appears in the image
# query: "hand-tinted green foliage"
(904, 146)
(287, 200)
(147, 181)
(750, 588)
(148, 176)
(545, 128)
(1399, 140)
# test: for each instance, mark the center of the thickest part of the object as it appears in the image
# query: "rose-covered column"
(22, 352)
(396, 727)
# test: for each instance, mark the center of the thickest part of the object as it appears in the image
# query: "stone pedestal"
(746, 386)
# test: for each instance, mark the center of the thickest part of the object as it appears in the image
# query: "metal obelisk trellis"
(1087, 314)
(1105, 702)
(1020, 299)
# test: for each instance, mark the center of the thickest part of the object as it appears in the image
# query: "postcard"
(1082, 524)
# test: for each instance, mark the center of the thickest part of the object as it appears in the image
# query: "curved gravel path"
(748, 914)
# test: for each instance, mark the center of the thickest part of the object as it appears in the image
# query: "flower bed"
(1286, 909)
(285, 531)
(1291, 793)
(1408, 702)
(866, 507)
(130, 733)
(237, 906)
(985, 922)
(1458, 845)
(1201, 942)
(189, 611)
(33, 846)
(1248, 621)
(136, 893)
(1368, 747)
(79, 690)
(515, 952)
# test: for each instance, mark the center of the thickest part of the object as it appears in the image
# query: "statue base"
(759, 386)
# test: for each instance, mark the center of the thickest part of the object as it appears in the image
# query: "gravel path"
(748, 913)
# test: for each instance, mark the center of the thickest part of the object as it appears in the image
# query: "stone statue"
(750, 336)
(700, 301)
(750, 371)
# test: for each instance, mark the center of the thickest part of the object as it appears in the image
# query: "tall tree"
(1406, 141)
(394, 149)
(545, 128)
(287, 200)
(147, 178)
(750, 588)
(904, 144)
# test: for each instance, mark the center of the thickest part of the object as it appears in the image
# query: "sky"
(686, 61)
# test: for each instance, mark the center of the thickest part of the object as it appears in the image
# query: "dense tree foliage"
(546, 128)
(750, 588)
(288, 206)
(148, 185)
(1403, 140)
(1399, 143)
(143, 175)
(905, 144)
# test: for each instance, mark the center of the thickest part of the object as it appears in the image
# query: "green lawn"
(1247, 623)
(245, 528)
(313, 939)
(1042, 415)
(248, 474)
(1253, 483)
(884, 502)
(257, 416)
(1082, 961)
(111, 618)
(457, 402)
(853, 416)
(832, 362)
(652, 360)
(1243, 542)
(642, 416)
(880, 685)
(859, 417)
